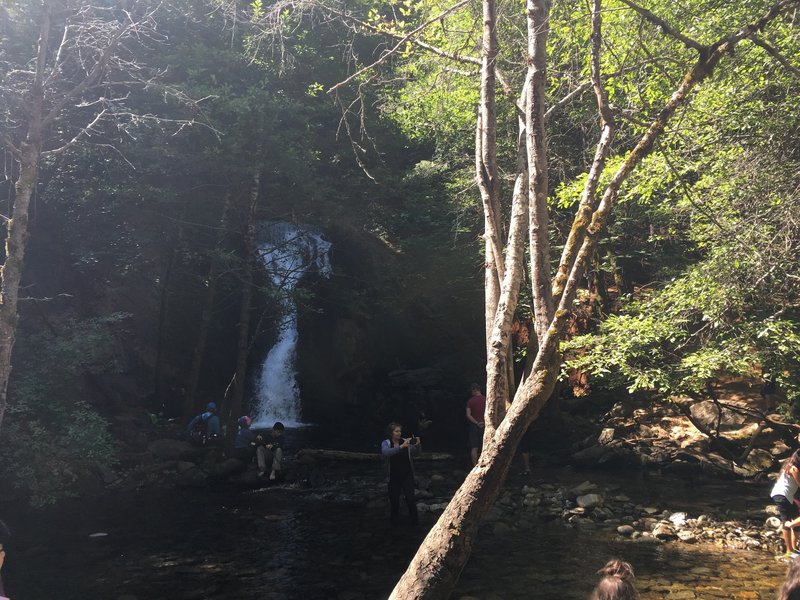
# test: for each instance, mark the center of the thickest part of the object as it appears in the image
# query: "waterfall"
(288, 252)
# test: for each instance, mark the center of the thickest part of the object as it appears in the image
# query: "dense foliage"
(699, 271)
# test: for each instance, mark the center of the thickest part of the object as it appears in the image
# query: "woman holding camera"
(398, 452)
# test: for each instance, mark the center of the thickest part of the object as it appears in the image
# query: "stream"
(334, 542)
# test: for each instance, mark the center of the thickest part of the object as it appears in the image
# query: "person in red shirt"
(476, 407)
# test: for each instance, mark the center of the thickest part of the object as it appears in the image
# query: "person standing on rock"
(783, 493)
(476, 409)
(398, 452)
(616, 583)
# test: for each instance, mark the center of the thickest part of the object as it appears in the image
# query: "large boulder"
(708, 414)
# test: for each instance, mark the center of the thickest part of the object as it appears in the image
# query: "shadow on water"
(334, 542)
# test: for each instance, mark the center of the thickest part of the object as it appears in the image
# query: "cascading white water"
(288, 252)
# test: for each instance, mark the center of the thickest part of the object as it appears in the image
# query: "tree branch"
(665, 27)
(408, 37)
(773, 52)
(6, 142)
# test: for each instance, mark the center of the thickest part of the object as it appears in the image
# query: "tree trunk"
(538, 181)
(243, 344)
(191, 403)
(29, 156)
(435, 568)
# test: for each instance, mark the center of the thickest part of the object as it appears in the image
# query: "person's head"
(475, 389)
(278, 429)
(245, 421)
(616, 582)
(790, 590)
(792, 461)
(211, 406)
(394, 431)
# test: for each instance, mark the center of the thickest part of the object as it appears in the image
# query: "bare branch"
(8, 144)
(85, 131)
(403, 40)
(665, 27)
(566, 99)
(773, 52)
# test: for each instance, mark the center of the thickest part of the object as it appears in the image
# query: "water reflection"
(336, 542)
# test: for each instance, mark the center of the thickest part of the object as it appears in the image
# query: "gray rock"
(626, 530)
(606, 436)
(759, 460)
(583, 488)
(707, 414)
(590, 500)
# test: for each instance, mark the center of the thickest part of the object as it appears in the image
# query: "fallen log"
(322, 454)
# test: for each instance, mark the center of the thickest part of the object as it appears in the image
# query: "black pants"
(406, 486)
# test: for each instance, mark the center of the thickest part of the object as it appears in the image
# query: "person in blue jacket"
(398, 452)
(205, 427)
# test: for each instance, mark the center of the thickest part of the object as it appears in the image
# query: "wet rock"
(589, 500)
(664, 531)
(687, 537)
(626, 530)
(583, 488)
(678, 519)
(772, 523)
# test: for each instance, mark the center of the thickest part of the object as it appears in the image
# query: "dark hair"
(278, 426)
(475, 388)
(792, 461)
(616, 582)
(790, 590)
(391, 427)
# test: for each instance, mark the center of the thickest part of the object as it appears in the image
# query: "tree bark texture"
(17, 227)
(538, 12)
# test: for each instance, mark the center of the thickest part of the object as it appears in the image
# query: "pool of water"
(335, 542)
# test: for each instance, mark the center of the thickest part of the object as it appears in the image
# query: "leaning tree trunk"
(29, 155)
(11, 271)
(434, 570)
